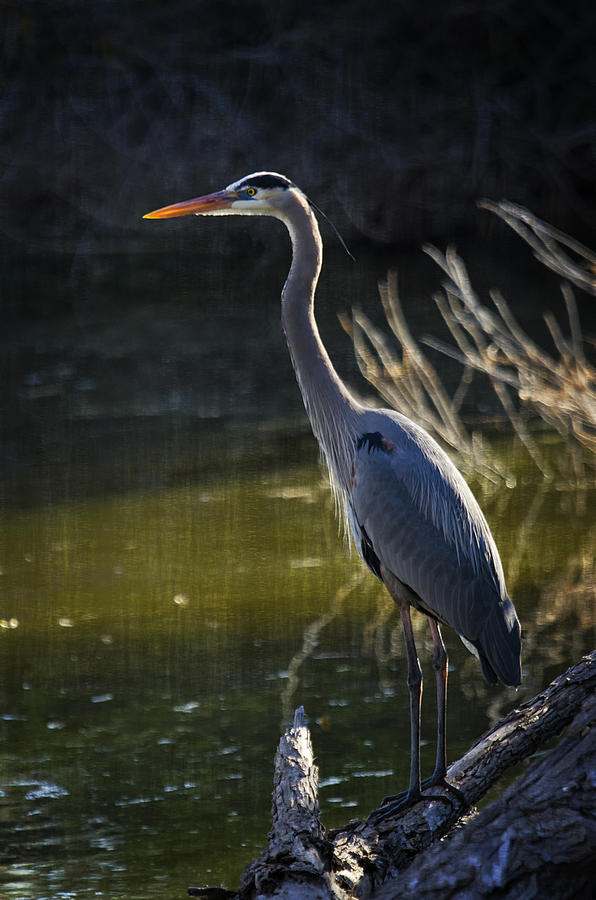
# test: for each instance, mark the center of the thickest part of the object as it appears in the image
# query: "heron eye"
(251, 191)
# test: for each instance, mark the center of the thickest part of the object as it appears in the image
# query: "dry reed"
(531, 384)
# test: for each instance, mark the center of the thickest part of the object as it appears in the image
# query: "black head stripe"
(267, 180)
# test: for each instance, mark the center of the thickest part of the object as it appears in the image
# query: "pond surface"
(174, 585)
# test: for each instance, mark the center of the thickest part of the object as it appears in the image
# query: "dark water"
(174, 585)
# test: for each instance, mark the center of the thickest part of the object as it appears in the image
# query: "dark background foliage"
(396, 116)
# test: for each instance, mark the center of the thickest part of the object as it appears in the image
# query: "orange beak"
(199, 206)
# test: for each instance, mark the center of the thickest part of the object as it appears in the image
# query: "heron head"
(261, 194)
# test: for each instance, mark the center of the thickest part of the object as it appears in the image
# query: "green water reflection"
(154, 642)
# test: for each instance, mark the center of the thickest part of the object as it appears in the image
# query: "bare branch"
(529, 382)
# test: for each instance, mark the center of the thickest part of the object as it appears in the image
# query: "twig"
(560, 389)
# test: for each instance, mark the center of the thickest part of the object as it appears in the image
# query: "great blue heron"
(413, 518)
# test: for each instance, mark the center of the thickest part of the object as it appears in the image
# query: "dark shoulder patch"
(268, 180)
(374, 440)
(368, 554)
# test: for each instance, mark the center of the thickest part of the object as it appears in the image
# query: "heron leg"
(391, 805)
(440, 666)
(415, 690)
(399, 802)
(440, 661)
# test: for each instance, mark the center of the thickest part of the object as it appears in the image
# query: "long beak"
(199, 206)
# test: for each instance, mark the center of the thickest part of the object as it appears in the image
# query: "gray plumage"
(426, 527)
(412, 516)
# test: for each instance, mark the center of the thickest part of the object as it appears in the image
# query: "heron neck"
(330, 407)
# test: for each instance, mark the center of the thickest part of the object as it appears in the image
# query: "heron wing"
(413, 514)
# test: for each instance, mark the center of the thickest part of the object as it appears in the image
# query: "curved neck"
(331, 408)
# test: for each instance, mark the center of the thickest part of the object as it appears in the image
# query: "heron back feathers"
(413, 515)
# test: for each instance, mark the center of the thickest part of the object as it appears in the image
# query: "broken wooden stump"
(538, 839)
(497, 849)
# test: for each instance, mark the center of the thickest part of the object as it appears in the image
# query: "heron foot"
(398, 803)
(439, 779)
(390, 806)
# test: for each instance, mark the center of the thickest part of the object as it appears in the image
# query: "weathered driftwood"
(537, 840)
(504, 849)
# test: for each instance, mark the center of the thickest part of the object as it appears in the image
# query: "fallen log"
(304, 861)
(538, 839)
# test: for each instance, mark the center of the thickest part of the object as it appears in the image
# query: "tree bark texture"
(537, 840)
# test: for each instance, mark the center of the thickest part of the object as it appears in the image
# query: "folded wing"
(413, 515)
